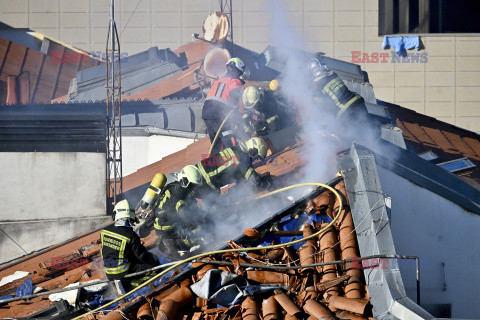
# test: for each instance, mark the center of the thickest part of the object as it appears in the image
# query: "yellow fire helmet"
(189, 174)
(274, 84)
(257, 146)
(124, 209)
(236, 63)
(252, 96)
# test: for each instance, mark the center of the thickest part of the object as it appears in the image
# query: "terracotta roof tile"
(49, 78)
(194, 52)
(319, 291)
(13, 61)
(67, 71)
(3, 48)
(33, 65)
(284, 163)
(449, 142)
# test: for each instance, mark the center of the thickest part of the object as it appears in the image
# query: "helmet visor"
(121, 210)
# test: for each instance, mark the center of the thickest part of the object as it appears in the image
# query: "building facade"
(441, 80)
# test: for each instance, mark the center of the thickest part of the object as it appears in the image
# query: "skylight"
(457, 165)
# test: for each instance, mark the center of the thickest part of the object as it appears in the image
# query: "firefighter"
(176, 213)
(265, 111)
(234, 165)
(122, 252)
(223, 97)
(349, 105)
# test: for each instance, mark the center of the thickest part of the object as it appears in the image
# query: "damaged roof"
(301, 289)
(312, 289)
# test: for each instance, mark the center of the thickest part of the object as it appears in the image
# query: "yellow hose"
(218, 132)
(316, 234)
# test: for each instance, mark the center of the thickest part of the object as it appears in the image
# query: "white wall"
(438, 231)
(49, 185)
(139, 152)
(38, 234)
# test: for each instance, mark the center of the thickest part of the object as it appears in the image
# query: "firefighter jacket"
(177, 216)
(224, 95)
(121, 249)
(330, 84)
(172, 200)
(228, 166)
(269, 116)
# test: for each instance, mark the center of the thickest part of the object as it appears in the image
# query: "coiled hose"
(316, 234)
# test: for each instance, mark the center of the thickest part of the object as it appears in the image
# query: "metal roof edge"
(396, 106)
(155, 131)
(427, 175)
(99, 104)
(385, 285)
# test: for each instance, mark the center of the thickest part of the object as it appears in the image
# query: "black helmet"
(317, 69)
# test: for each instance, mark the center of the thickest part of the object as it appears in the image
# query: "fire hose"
(196, 257)
(218, 132)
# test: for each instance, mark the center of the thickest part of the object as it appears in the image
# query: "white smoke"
(323, 135)
(320, 147)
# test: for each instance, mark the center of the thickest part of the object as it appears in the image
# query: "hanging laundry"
(401, 43)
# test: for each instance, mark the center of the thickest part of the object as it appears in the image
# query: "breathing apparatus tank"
(153, 191)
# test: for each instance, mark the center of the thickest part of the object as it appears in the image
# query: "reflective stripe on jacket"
(172, 200)
(227, 166)
(121, 249)
(221, 89)
(334, 87)
(118, 243)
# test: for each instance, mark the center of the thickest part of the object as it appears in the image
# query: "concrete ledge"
(34, 235)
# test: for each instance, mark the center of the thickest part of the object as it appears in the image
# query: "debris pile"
(53, 273)
(304, 281)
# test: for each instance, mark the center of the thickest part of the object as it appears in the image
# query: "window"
(457, 165)
(428, 16)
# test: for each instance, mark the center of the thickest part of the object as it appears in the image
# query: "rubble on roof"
(53, 271)
(285, 283)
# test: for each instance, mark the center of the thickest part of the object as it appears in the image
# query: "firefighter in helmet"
(176, 212)
(235, 165)
(122, 252)
(327, 84)
(223, 97)
(265, 111)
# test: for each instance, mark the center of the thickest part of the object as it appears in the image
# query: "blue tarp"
(25, 289)
(290, 224)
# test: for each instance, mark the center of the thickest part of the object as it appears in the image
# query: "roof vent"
(429, 156)
(457, 165)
